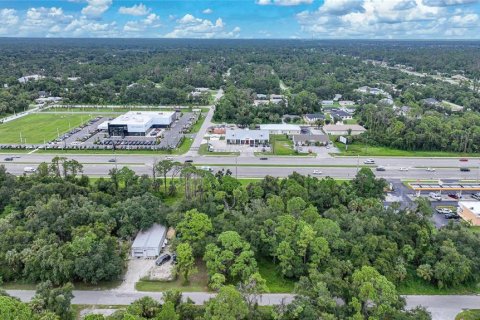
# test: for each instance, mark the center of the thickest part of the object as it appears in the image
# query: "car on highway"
(380, 168)
(435, 196)
(169, 158)
(263, 158)
(163, 259)
(206, 168)
(369, 161)
(452, 215)
(317, 172)
(430, 169)
(403, 169)
(8, 159)
(463, 159)
(188, 161)
(465, 169)
(112, 160)
(29, 170)
(444, 210)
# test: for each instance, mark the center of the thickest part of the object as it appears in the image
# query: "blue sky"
(320, 19)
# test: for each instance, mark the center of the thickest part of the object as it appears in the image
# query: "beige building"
(469, 211)
(343, 129)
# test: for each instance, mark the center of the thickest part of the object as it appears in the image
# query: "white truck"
(29, 169)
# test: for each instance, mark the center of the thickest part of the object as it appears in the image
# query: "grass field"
(109, 110)
(473, 314)
(198, 282)
(282, 146)
(275, 282)
(37, 128)
(358, 149)
(417, 286)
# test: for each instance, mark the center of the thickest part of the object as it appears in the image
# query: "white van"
(29, 169)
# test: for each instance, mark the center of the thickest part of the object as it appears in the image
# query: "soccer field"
(36, 128)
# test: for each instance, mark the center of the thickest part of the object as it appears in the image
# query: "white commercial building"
(137, 123)
(148, 243)
(281, 128)
(248, 137)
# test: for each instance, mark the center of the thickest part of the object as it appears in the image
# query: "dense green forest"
(335, 240)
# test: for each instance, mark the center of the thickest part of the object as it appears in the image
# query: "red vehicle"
(463, 159)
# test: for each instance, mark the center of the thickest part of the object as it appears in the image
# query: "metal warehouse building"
(137, 123)
(148, 243)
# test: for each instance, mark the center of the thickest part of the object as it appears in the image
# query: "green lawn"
(196, 127)
(473, 314)
(20, 285)
(198, 282)
(203, 150)
(350, 121)
(109, 110)
(358, 149)
(282, 146)
(416, 286)
(37, 128)
(275, 282)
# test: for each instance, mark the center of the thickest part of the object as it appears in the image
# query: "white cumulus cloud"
(147, 25)
(95, 8)
(9, 20)
(191, 27)
(207, 11)
(135, 10)
(283, 2)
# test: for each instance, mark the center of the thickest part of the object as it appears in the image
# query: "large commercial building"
(469, 211)
(281, 128)
(248, 137)
(343, 129)
(137, 123)
(148, 243)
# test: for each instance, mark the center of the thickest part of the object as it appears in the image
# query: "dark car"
(263, 158)
(466, 169)
(8, 159)
(380, 168)
(452, 216)
(112, 160)
(162, 259)
(188, 161)
(174, 258)
(463, 159)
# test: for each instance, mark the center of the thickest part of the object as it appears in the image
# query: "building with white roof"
(247, 137)
(281, 128)
(137, 123)
(148, 243)
(469, 211)
(343, 129)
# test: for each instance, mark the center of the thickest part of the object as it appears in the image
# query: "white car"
(209, 169)
(169, 158)
(435, 196)
(318, 172)
(403, 169)
(29, 170)
(431, 169)
(444, 210)
(369, 161)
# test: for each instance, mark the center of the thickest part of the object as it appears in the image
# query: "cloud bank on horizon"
(322, 19)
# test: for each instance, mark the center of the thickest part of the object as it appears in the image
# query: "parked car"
(431, 169)
(209, 169)
(452, 216)
(369, 161)
(403, 169)
(318, 172)
(380, 168)
(8, 159)
(435, 196)
(454, 196)
(465, 169)
(189, 161)
(162, 259)
(444, 210)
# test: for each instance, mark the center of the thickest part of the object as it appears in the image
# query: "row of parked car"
(128, 143)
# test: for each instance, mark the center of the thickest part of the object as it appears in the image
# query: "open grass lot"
(282, 146)
(105, 285)
(473, 314)
(198, 282)
(358, 149)
(416, 286)
(78, 308)
(275, 282)
(196, 127)
(37, 128)
(110, 110)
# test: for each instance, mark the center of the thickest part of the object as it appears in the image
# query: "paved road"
(441, 307)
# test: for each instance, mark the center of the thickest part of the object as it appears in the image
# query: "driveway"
(137, 269)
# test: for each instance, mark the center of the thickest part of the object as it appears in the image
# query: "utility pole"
(236, 167)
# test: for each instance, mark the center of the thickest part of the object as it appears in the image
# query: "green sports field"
(36, 128)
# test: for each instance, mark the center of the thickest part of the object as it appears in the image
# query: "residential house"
(431, 102)
(313, 117)
(346, 103)
(148, 243)
(327, 102)
(340, 114)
